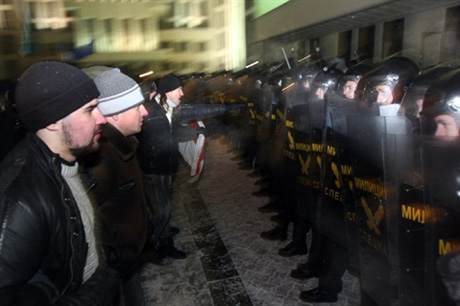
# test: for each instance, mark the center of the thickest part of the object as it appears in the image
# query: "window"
(344, 48)
(452, 30)
(393, 33)
(366, 39)
(181, 46)
(164, 45)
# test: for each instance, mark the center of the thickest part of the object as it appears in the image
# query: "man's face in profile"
(82, 128)
(175, 95)
(384, 94)
(446, 125)
(349, 89)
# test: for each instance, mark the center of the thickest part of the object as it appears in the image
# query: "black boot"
(264, 192)
(167, 249)
(307, 270)
(274, 206)
(281, 218)
(318, 295)
(174, 230)
(277, 233)
(151, 254)
(294, 248)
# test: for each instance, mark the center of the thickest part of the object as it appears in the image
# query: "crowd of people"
(86, 179)
(320, 139)
(86, 194)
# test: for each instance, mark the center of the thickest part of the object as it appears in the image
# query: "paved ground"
(228, 263)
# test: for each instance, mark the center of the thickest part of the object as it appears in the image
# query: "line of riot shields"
(390, 197)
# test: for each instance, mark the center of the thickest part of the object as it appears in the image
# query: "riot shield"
(307, 164)
(280, 133)
(264, 118)
(338, 108)
(374, 213)
(441, 175)
(288, 99)
(308, 138)
(406, 236)
(331, 217)
(246, 141)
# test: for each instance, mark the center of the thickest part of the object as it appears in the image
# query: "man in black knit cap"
(48, 250)
(164, 127)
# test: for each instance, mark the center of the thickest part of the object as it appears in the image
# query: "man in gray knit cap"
(48, 250)
(120, 207)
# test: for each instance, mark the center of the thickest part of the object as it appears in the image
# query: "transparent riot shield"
(338, 108)
(331, 217)
(279, 135)
(288, 169)
(306, 163)
(405, 201)
(441, 175)
(264, 118)
(374, 217)
(309, 156)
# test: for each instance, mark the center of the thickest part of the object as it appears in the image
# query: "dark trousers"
(159, 189)
(335, 263)
(133, 294)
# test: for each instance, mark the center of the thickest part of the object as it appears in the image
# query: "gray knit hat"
(118, 91)
(94, 71)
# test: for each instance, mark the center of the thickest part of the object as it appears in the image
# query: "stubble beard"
(80, 150)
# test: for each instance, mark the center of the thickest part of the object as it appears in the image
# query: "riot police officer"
(442, 105)
(441, 118)
(385, 85)
(412, 103)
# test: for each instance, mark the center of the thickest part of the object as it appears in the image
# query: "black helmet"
(415, 94)
(443, 96)
(327, 79)
(396, 72)
(308, 74)
(355, 74)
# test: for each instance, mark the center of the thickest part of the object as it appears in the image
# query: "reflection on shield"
(338, 109)
(374, 217)
(441, 174)
(263, 109)
(405, 198)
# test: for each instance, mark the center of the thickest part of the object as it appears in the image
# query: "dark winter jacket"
(120, 200)
(158, 151)
(42, 239)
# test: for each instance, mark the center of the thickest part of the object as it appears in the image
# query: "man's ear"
(53, 126)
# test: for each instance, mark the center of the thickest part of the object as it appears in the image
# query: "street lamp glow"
(145, 74)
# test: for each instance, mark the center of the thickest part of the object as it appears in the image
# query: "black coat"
(158, 150)
(120, 199)
(42, 239)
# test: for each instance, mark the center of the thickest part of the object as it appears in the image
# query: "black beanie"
(49, 91)
(168, 83)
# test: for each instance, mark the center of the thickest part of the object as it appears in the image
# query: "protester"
(48, 250)
(119, 193)
(164, 127)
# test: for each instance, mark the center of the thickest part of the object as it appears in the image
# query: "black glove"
(202, 130)
(25, 295)
(234, 108)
